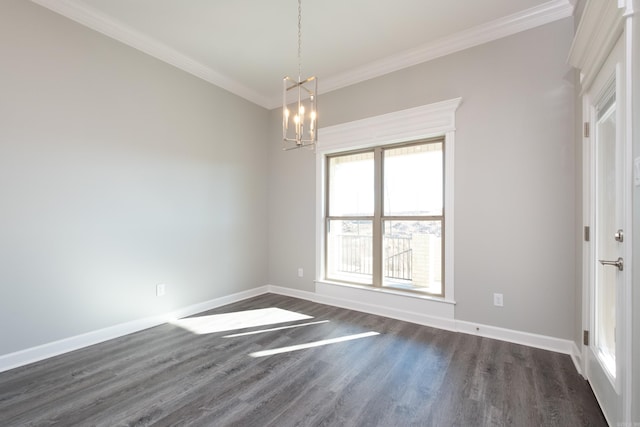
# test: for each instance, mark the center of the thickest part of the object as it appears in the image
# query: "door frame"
(603, 22)
(594, 97)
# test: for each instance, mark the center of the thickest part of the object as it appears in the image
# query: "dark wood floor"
(407, 375)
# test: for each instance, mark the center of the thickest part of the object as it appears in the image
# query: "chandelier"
(300, 124)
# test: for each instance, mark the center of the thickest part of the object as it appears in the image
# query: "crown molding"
(114, 29)
(503, 27)
(599, 29)
(534, 17)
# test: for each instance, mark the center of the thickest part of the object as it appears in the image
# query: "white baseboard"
(34, 354)
(517, 337)
(576, 356)
(367, 306)
(41, 352)
(544, 342)
(294, 293)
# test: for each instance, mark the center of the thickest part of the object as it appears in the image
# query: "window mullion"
(377, 218)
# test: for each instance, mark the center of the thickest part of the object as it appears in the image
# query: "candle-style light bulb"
(312, 125)
(286, 119)
(296, 120)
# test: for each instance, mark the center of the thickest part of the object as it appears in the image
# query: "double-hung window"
(385, 217)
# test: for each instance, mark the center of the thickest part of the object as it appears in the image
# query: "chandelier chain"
(299, 39)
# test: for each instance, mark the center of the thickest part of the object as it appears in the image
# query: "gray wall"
(514, 177)
(117, 172)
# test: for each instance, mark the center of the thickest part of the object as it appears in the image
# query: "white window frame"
(424, 122)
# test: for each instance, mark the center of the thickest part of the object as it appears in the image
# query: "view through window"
(385, 217)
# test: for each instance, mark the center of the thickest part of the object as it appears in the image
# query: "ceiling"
(248, 46)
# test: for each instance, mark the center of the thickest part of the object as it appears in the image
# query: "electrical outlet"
(300, 272)
(497, 300)
(160, 289)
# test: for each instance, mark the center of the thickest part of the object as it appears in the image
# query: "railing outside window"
(354, 256)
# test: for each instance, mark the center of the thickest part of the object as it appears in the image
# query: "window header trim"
(422, 122)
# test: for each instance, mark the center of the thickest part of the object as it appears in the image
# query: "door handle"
(619, 263)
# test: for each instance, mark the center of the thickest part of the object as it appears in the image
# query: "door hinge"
(586, 130)
(587, 233)
(585, 337)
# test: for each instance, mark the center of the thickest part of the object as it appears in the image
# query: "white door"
(605, 355)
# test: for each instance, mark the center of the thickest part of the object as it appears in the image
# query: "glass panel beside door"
(606, 245)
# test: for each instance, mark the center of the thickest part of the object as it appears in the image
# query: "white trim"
(295, 293)
(419, 122)
(394, 305)
(576, 357)
(55, 348)
(337, 300)
(388, 291)
(630, 72)
(92, 18)
(365, 305)
(437, 119)
(521, 21)
(517, 337)
(587, 221)
(600, 27)
(449, 227)
(599, 51)
(35, 354)
(503, 27)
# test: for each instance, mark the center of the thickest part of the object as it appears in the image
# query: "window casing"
(384, 218)
(436, 120)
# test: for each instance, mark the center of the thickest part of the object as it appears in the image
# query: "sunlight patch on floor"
(238, 320)
(312, 344)
(241, 334)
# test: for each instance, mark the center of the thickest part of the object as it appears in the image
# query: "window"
(385, 215)
(350, 206)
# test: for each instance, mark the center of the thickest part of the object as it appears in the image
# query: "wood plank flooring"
(407, 375)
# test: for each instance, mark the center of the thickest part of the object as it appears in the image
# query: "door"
(605, 355)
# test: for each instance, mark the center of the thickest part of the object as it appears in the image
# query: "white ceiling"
(248, 46)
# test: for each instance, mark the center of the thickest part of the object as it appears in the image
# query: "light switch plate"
(498, 300)
(160, 289)
(636, 171)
